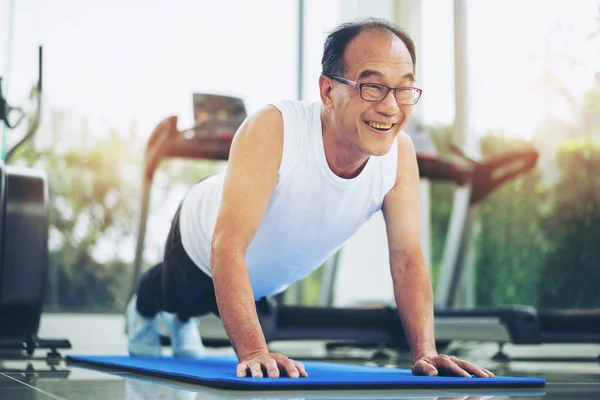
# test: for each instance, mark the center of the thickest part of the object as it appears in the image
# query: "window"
(533, 83)
(112, 71)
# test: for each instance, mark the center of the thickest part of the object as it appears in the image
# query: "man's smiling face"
(373, 56)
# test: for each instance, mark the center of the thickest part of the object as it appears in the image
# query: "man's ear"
(326, 91)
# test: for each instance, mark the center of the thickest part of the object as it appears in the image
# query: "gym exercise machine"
(519, 325)
(535, 326)
(24, 224)
(216, 119)
(543, 326)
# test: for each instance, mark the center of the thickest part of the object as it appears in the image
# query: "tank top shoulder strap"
(297, 120)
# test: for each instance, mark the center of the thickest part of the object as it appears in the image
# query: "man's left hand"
(434, 365)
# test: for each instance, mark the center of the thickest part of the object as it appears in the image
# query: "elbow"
(403, 264)
(225, 252)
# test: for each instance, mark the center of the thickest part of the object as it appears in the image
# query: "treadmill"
(507, 324)
(512, 324)
(217, 118)
(518, 325)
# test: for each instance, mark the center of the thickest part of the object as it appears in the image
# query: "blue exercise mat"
(220, 372)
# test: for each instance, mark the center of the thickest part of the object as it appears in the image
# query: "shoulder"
(260, 135)
(268, 116)
(405, 145)
(265, 125)
(407, 159)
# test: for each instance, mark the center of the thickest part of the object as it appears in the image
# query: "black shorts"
(177, 285)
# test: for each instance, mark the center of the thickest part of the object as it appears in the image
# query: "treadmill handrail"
(158, 144)
(496, 170)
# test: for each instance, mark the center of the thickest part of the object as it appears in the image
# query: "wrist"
(419, 354)
(251, 353)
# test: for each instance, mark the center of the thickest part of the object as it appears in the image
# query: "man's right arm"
(251, 177)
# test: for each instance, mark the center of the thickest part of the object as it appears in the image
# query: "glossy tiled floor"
(36, 379)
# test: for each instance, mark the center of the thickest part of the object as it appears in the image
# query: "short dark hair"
(337, 41)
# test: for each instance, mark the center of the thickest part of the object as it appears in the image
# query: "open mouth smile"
(380, 126)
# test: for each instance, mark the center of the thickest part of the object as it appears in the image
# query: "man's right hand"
(251, 178)
(270, 365)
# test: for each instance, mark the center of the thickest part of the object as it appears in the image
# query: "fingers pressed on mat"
(273, 365)
(449, 367)
(290, 368)
(472, 368)
(422, 367)
(256, 369)
(242, 370)
(301, 368)
(271, 368)
(458, 371)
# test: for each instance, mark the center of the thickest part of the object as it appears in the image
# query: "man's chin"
(380, 149)
(380, 153)
(380, 145)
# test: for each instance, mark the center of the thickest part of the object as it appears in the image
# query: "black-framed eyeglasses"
(376, 92)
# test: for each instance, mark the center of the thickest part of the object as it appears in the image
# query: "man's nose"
(389, 105)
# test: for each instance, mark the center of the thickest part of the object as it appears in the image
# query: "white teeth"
(379, 125)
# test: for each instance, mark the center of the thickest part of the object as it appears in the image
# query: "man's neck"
(344, 159)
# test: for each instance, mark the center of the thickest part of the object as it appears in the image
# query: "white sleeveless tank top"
(312, 211)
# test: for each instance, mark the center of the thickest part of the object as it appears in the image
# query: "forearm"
(235, 301)
(414, 298)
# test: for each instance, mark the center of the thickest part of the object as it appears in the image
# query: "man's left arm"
(412, 285)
